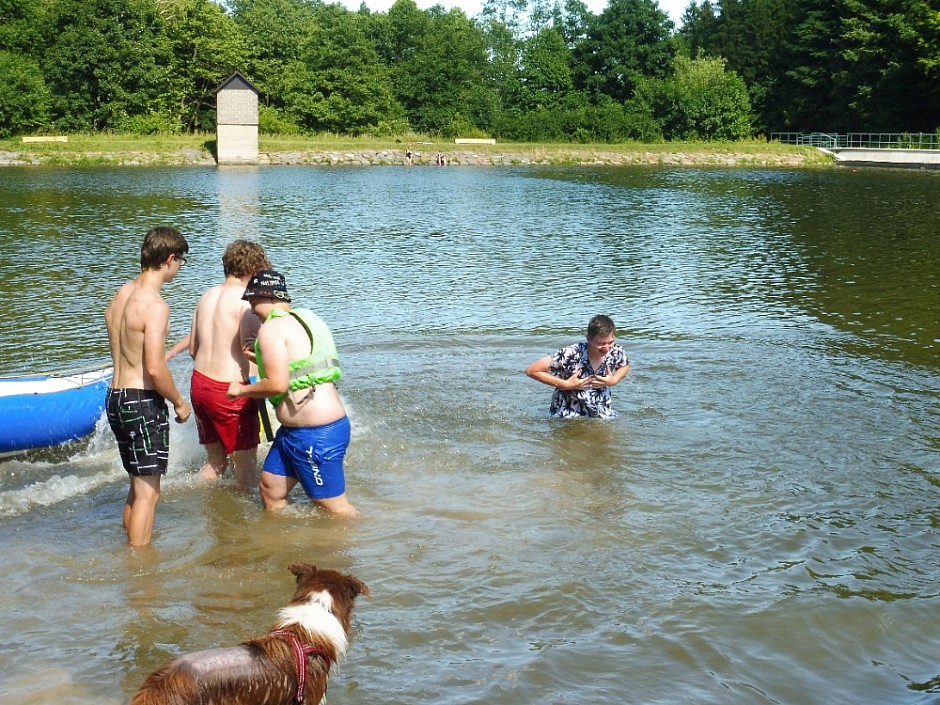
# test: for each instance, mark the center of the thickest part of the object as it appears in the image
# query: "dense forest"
(521, 70)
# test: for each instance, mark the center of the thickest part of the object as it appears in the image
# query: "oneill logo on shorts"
(313, 456)
(316, 471)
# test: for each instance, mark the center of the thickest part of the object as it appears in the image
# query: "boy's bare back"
(138, 321)
(216, 339)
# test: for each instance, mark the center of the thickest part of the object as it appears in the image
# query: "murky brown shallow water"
(760, 524)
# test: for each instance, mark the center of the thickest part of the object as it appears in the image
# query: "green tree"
(925, 17)
(439, 69)
(847, 65)
(460, 98)
(759, 53)
(207, 48)
(700, 101)
(24, 97)
(398, 38)
(542, 14)
(699, 31)
(339, 83)
(885, 82)
(546, 69)
(501, 26)
(109, 62)
(438, 66)
(274, 31)
(630, 40)
(22, 24)
(753, 36)
(816, 77)
(508, 13)
(573, 21)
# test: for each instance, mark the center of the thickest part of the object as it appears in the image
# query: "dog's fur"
(264, 670)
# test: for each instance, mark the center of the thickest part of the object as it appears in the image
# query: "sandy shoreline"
(585, 156)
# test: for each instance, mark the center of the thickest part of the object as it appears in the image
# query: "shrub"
(24, 96)
(699, 101)
(149, 124)
(272, 121)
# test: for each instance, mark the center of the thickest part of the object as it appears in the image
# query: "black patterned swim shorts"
(140, 421)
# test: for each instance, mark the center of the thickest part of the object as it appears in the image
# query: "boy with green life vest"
(298, 367)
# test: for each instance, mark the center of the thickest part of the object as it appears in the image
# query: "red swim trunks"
(232, 422)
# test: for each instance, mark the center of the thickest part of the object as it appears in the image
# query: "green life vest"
(321, 366)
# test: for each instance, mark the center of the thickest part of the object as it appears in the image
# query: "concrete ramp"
(920, 158)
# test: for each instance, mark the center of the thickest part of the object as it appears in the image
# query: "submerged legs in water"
(244, 465)
(140, 507)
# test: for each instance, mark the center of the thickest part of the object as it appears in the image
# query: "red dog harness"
(301, 652)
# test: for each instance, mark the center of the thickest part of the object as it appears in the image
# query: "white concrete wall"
(900, 157)
(236, 126)
(237, 144)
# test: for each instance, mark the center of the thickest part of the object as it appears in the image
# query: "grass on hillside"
(102, 147)
(294, 143)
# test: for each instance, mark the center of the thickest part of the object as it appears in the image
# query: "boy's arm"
(273, 345)
(156, 323)
(540, 371)
(617, 376)
(248, 332)
(183, 343)
(193, 336)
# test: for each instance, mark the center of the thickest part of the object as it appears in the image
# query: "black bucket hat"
(267, 284)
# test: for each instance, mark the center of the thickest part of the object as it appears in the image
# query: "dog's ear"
(301, 570)
(359, 587)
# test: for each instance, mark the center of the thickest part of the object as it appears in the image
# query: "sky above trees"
(673, 8)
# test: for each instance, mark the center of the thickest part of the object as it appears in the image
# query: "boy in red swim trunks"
(222, 325)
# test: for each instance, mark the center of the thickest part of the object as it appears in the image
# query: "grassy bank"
(198, 149)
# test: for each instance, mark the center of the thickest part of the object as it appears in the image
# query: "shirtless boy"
(138, 320)
(298, 368)
(228, 428)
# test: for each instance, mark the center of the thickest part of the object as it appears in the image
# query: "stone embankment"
(584, 157)
(455, 157)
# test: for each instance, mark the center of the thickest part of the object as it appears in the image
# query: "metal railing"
(876, 140)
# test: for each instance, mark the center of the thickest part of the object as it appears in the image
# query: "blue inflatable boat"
(38, 411)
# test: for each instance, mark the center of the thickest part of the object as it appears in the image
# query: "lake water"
(761, 524)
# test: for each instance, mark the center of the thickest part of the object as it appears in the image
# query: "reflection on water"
(759, 525)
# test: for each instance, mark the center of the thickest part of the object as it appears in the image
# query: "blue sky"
(673, 8)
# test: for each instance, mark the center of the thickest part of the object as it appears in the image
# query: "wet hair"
(601, 326)
(159, 244)
(242, 258)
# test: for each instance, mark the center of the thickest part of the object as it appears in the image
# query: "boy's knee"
(338, 506)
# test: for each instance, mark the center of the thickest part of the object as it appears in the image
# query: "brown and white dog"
(289, 664)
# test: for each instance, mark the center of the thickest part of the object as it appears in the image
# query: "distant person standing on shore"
(582, 374)
(223, 324)
(138, 320)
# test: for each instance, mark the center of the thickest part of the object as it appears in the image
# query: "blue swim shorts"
(312, 455)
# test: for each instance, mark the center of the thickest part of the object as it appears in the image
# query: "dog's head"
(343, 589)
